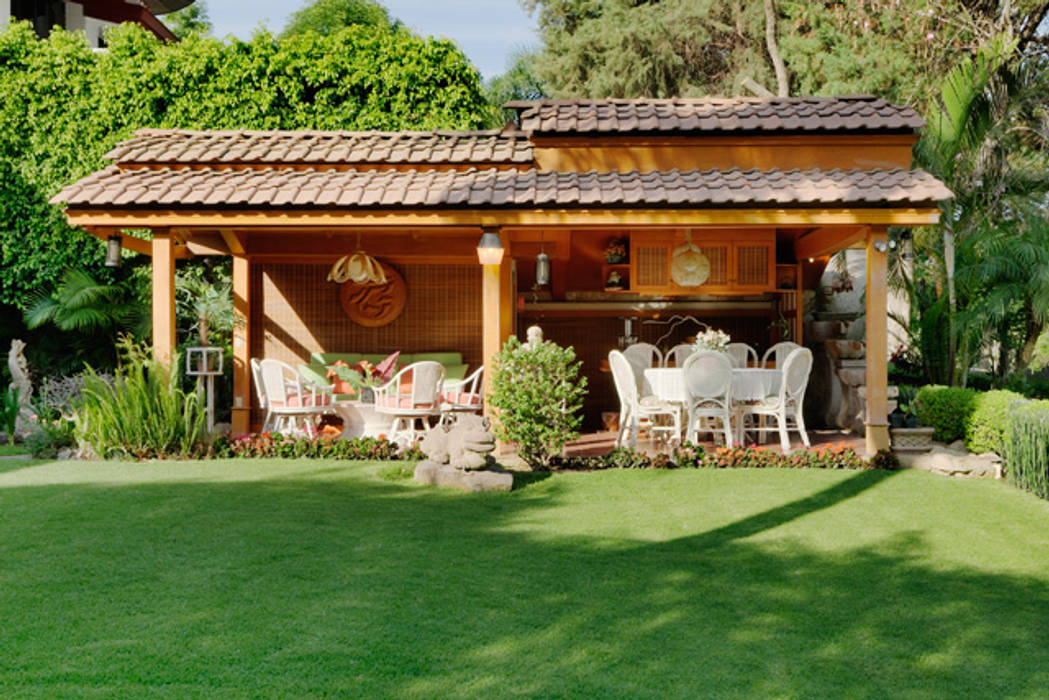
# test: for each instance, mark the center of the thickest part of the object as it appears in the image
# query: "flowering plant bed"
(690, 456)
(323, 446)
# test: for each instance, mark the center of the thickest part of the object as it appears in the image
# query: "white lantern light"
(113, 246)
(490, 248)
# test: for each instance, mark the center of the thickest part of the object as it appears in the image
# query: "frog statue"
(463, 444)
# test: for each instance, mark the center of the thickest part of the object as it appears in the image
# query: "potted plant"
(363, 378)
(616, 251)
(907, 435)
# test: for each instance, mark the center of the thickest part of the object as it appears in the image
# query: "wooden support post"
(241, 422)
(877, 340)
(163, 250)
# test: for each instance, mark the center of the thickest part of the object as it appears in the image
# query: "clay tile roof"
(748, 114)
(273, 187)
(176, 146)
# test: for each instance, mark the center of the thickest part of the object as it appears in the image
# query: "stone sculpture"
(456, 455)
(534, 336)
(465, 444)
(19, 369)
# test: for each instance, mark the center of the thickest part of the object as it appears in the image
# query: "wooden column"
(241, 345)
(877, 340)
(498, 311)
(163, 249)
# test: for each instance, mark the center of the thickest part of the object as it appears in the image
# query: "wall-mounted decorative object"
(358, 267)
(617, 251)
(372, 305)
(786, 277)
(688, 266)
(615, 281)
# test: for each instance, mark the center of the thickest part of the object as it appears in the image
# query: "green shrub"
(142, 413)
(945, 408)
(1033, 386)
(538, 394)
(9, 412)
(985, 428)
(1027, 447)
(52, 436)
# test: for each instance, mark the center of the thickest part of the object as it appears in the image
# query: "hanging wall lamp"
(113, 247)
(542, 265)
(490, 247)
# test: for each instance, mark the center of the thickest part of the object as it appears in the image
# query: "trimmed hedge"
(945, 408)
(1027, 445)
(987, 424)
(692, 456)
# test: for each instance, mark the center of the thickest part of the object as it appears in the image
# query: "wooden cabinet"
(733, 261)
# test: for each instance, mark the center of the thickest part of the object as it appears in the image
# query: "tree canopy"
(329, 16)
(189, 20)
(661, 48)
(62, 106)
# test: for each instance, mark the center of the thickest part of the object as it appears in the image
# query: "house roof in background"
(162, 7)
(856, 113)
(167, 146)
(210, 188)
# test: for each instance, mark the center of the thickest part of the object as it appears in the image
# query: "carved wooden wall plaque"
(373, 305)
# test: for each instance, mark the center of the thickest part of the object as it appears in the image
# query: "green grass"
(321, 579)
(12, 450)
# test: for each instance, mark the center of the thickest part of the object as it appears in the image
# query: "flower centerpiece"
(711, 339)
(363, 378)
(616, 251)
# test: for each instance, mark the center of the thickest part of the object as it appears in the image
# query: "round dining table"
(748, 384)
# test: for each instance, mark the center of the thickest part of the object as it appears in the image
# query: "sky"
(488, 31)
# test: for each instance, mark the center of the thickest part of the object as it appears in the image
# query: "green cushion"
(312, 374)
(324, 359)
(447, 359)
(455, 373)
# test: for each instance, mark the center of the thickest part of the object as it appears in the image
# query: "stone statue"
(465, 444)
(534, 336)
(19, 368)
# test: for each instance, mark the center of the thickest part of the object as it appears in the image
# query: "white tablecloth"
(750, 384)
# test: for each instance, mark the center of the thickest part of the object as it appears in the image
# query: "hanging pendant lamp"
(542, 265)
(358, 267)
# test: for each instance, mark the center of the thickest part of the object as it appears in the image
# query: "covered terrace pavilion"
(766, 189)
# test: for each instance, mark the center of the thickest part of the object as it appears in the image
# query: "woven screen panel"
(752, 265)
(650, 266)
(717, 256)
(296, 312)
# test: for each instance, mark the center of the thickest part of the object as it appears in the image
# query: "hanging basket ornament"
(689, 267)
(358, 267)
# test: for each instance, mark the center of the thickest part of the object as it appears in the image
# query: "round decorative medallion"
(374, 305)
(690, 268)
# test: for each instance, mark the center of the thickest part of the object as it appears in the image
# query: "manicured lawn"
(276, 579)
(9, 450)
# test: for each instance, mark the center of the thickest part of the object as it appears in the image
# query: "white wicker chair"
(789, 400)
(708, 380)
(464, 396)
(412, 404)
(679, 354)
(631, 408)
(287, 396)
(741, 354)
(641, 356)
(778, 353)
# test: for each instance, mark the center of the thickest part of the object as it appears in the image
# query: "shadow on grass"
(298, 587)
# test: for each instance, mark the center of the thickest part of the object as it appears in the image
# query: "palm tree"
(978, 143)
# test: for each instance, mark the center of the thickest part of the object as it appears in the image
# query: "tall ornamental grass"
(142, 413)
(1027, 447)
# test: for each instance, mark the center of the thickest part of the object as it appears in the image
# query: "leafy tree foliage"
(189, 20)
(62, 107)
(519, 82)
(329, 16)
(662, 48)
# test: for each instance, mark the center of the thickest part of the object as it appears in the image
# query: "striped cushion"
(307, 401)
(400, 402)
(461, 398)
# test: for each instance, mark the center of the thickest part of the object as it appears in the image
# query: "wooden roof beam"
(827, 240)
(233, 241)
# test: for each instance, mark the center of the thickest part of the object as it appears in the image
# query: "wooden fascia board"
(577, 218)
(827, 240)
(746, 140)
